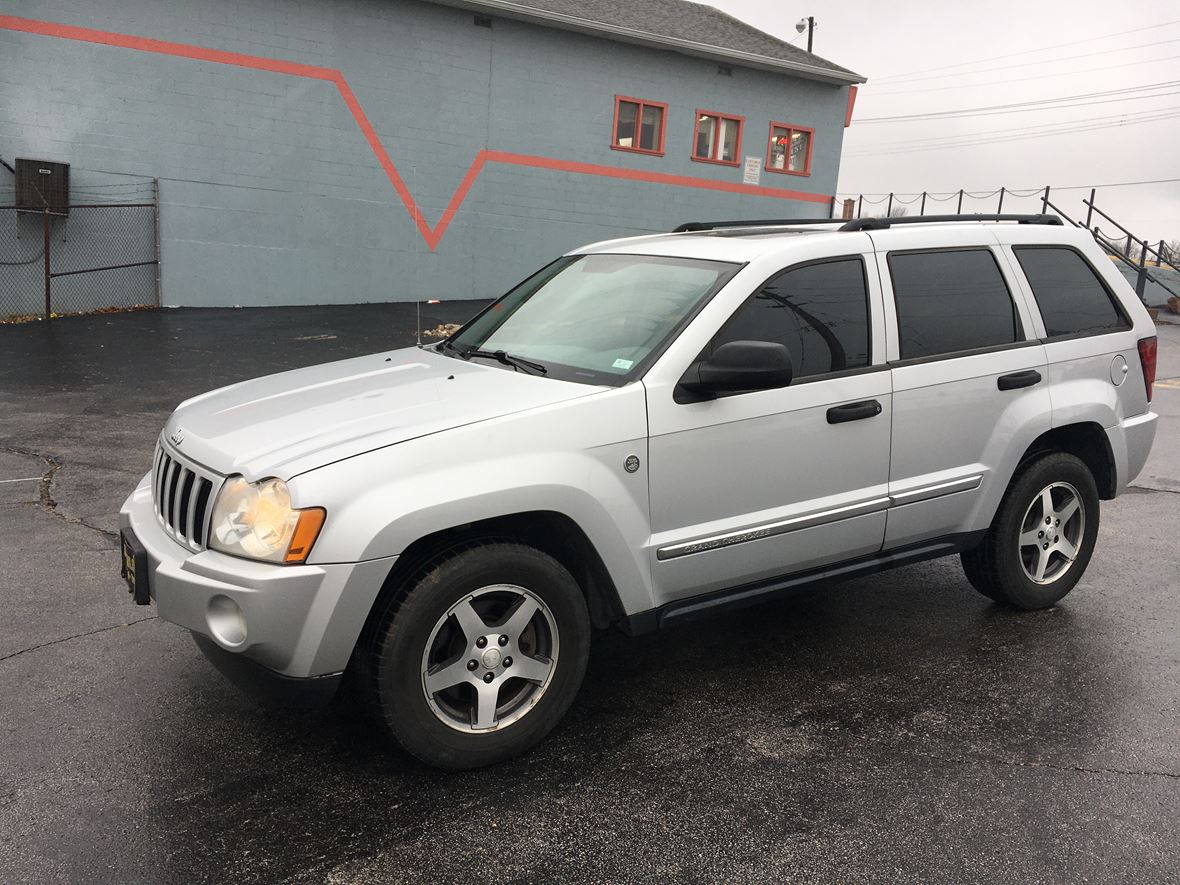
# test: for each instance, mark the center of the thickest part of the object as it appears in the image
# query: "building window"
(639, 125)
(790, 149)
(717, 138)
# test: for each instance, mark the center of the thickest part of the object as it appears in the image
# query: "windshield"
(598, 319)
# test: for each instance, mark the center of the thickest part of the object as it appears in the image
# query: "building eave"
(521, 12)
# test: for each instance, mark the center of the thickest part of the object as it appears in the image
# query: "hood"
(289, 423)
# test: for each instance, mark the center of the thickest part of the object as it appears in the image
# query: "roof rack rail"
(693, 226)
(854, 224)
(883, 223)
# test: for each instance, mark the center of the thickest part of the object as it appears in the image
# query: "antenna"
(418, 304)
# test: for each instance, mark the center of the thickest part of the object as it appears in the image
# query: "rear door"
(970, 385)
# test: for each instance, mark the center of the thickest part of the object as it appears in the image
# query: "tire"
(1013, 565)
(500, 610)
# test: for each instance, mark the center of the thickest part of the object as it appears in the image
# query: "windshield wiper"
(506, 359)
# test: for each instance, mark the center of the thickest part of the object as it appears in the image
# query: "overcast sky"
(974, 46)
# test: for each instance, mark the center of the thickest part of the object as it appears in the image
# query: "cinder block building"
(341, 151)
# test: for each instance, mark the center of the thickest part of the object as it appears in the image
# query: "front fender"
(568, 459)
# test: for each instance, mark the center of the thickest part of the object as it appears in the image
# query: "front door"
(753, 485)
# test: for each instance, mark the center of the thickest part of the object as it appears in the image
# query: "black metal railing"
(1129, 249)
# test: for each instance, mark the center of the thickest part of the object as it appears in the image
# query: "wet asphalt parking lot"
(898, 728)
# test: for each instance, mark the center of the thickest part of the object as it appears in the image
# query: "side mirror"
(740, 366)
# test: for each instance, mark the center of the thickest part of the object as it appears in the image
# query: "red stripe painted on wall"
(851, 106)
(431, 235)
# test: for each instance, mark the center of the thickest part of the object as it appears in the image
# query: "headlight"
(256, 520)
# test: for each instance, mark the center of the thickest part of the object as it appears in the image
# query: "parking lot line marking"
(431, 235)
(23, 479)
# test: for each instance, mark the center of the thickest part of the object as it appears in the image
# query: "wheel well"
(1086, 441)
(551, 532)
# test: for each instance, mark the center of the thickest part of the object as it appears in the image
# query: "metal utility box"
(42, 184)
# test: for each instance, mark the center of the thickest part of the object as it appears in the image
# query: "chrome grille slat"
(182, 495)
(161, 472)
(175, 484)
(156, 471)
(191, 533)
(170, 493)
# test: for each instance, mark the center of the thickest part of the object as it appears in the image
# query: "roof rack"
(692, 226)
(883, 223)
(856, 224)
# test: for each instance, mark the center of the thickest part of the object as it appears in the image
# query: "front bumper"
(298, 622)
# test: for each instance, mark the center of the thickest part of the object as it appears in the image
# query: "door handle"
(1019, 379)
(868, 408)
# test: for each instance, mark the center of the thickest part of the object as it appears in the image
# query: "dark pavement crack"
(45, 491)
(1153, 489)
(1051, 766)
(75, 636)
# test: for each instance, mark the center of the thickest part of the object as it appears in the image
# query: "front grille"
(183, 496)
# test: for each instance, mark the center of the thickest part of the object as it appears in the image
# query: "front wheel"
(1042, 537)
(482, 657)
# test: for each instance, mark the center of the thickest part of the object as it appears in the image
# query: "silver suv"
(643, 431)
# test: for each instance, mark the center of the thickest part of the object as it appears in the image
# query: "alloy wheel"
(490, 658)
(1051, 533)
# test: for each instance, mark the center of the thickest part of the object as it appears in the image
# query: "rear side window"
(1072, 299)
(819, 311)
(951, 300)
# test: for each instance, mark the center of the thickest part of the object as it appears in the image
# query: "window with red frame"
(639, 125)
(790, 149)
(717, 138)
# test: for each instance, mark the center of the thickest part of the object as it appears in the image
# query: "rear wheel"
(483, 656)
(1042, 537)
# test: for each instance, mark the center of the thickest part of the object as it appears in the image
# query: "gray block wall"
(270, 194)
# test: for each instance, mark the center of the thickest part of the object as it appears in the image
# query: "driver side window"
(820, 311)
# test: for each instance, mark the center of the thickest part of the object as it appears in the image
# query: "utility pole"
(808, 24)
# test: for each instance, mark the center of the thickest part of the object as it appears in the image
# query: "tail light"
(1148, 349)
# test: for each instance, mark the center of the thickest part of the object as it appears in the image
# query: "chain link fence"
(78, 259)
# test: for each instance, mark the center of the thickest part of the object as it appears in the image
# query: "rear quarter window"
(1072, 299)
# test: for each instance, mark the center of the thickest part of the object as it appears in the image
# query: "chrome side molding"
(925, 493)
(821, 517)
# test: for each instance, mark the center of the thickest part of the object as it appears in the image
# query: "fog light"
(226, 621)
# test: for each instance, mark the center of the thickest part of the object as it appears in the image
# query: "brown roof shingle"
(693, 28)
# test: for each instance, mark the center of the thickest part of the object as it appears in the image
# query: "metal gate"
(78, 259)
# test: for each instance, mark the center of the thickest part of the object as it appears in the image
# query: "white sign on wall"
(752, 171)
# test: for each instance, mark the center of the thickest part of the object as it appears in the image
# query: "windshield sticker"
(623, 364)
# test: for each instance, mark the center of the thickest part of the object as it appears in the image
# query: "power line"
(1005, 134)
(996, 138)
(1055, 107)
(942, 195)
(1017, 129)
(1027, 77)
(1036, 104)
(1047, 61)
(963, 64)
